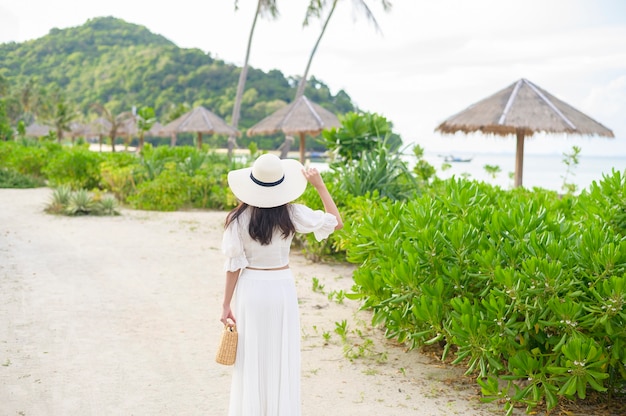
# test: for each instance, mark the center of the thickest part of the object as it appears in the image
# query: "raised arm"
(315, 179)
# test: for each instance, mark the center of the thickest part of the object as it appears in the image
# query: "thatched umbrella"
(301, 117)
(37, 130)
(199, 120)
(128, 127)
(100, 128)
(78, 130)
(156, 130)
(522, 109)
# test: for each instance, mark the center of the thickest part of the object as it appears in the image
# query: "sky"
(428, 61)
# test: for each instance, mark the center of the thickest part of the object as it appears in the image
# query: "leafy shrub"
(27, 157)
(607, 201)
(107, 206)
(378, 170)
(201, 179)
(77, 167)
(175, 154)
(80, 203)
(65, 201)
(118, 173)
(211, 192)
(169, 191)
(12, 179)
(359, 134)
(508, 283)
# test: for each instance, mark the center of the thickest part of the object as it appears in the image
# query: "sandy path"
(119, 316)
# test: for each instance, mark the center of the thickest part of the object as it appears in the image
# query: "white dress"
(266, 374)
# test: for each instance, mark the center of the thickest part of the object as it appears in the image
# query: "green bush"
(130, 178)
(65, 201)
(118, 173)
(378, 170)
(211, 192)
(169, 191)
(77, 167)
(523, 287)
(12, 179)
(28, 157)
(607, 201)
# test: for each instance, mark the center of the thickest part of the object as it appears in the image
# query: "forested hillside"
(121, 65)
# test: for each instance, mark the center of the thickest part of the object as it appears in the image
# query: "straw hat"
(270, 182)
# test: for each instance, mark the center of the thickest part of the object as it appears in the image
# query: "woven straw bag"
(227, 351)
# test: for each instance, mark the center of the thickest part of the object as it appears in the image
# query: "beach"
(120, 316)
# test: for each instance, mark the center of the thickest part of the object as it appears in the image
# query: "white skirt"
(266, 375)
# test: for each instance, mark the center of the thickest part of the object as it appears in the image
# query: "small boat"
(317, 155)
(455, 159)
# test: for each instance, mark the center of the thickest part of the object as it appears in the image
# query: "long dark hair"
(263, 221)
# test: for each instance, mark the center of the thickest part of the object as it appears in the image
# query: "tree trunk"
(303, 80)
(285, 147)
(113, 134)
(519, 158)
(302, 143)
(232, 140)
(231, 144)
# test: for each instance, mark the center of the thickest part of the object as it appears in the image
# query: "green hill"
(121, 65)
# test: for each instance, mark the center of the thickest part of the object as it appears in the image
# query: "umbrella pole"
(199, 141)
(519, 158)
(302, 141)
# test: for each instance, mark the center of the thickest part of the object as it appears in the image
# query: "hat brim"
(290, 189)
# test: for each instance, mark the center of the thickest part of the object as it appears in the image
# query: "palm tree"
(115, 122)
(315, 9)
(145, 120)
(29, 99)
(263, 8)
(60, 112)
(4, 84)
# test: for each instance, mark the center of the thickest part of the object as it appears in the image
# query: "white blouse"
(242, 251)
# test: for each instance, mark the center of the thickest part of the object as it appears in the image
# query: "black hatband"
(267, 184)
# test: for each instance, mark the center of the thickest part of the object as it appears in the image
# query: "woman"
(257, 238)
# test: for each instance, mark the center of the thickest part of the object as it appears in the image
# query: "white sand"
(120, 316)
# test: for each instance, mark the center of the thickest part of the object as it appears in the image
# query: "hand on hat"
(313, 176)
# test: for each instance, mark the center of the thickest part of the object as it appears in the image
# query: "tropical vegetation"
(524, 288)
(107, 67)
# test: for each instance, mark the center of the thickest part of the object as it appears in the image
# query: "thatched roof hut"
(199, 120)
(522, 109)
(301, 117)
(37, 130)
(157, 130)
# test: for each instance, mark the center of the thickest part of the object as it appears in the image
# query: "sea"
(546, 171)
